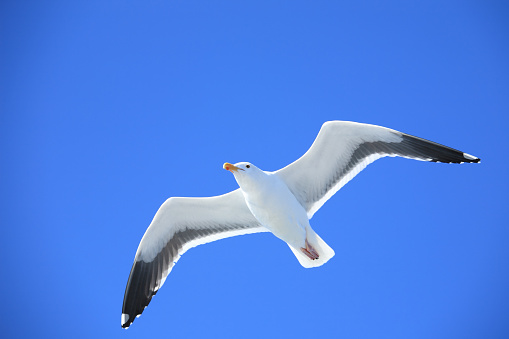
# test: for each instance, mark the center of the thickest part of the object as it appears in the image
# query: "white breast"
(277, 209)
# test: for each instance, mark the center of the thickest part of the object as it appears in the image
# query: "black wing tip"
(127, 320)
(431, 151)
(471, 158)
(140, 289)
(465, 158)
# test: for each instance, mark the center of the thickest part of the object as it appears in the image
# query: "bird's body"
(273, 204)
(276, 208)
(281, 202)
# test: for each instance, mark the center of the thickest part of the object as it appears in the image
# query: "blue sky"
(110, 107)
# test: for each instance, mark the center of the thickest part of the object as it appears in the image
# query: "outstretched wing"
(342, 149)
(180, 224)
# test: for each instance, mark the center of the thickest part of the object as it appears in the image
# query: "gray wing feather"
(342, 149)
(180, 224)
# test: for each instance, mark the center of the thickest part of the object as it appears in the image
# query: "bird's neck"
(254, 184)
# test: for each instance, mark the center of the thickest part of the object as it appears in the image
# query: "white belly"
(277, 209)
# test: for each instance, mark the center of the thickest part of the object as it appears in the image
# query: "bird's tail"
(324, 251)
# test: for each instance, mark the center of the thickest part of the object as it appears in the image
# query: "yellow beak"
(232, 168)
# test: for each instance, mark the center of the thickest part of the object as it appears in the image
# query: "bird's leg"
(310, 251)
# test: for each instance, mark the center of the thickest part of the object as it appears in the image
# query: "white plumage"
(280, 202)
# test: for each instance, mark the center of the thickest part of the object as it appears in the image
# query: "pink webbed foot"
(310, 251)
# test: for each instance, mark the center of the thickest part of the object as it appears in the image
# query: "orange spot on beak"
(229, 167)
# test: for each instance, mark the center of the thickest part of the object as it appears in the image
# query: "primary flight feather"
(281, 202)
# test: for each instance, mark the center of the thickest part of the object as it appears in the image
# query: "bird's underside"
(340, 151)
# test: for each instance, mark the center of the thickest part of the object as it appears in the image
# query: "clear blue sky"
(110, 107)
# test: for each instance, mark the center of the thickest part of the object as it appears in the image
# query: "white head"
(245, 173)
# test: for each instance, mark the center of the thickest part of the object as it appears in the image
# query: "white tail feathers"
(324, 252)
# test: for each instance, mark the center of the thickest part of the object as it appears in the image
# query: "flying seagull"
(281, 202)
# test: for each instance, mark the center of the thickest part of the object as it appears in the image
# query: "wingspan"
(180, 224)
(342, 149)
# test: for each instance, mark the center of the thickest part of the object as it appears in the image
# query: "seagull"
(281, 202)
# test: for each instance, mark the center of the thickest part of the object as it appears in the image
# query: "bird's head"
(244, 172)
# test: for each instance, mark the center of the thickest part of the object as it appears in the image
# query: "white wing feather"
(342, 149)
(180, 224)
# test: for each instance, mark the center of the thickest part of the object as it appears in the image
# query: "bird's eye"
(247, 166)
